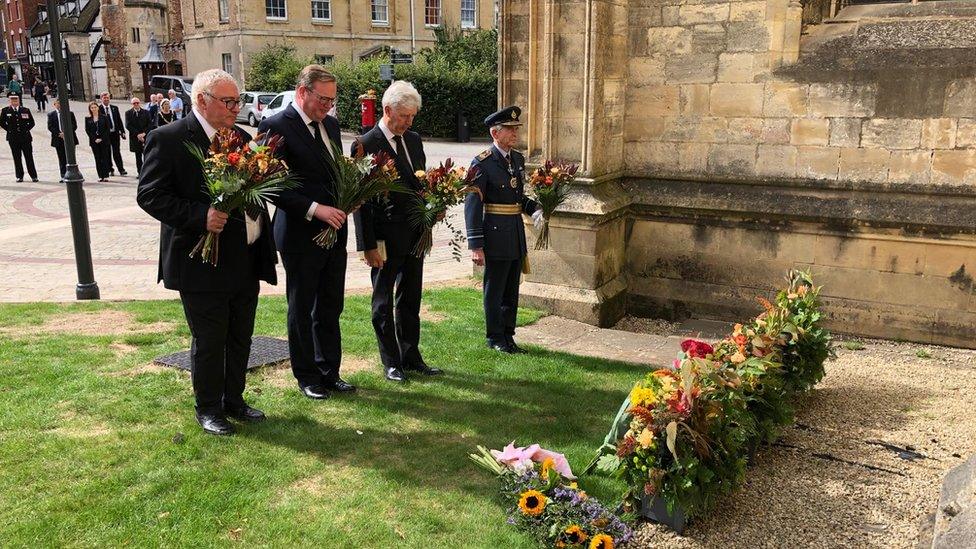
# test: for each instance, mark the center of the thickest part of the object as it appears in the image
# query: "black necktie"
(108, 114)
(317, 135)
(402, 160)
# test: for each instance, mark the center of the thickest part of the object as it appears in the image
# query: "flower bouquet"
(357, 180)
(684, 434)
(238, 175)
(441, 188)
(546, 503)
(549, 186)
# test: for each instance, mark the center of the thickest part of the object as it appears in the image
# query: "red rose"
(234, 158)
(696, 349)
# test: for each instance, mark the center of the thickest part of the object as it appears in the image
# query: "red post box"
(367, 105)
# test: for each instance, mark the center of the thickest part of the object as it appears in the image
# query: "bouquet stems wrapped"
(549, 187)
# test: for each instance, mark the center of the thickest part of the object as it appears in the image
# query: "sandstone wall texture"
(724, 143)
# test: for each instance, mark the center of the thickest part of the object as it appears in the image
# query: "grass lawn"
(99, 449)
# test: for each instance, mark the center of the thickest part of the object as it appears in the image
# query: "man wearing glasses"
(219, 300)
(315, 276)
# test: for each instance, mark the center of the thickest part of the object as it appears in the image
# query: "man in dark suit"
(219, 300)
(137, 124)
(496, 234)
(17, 120)
(116, 131)
(398, 275)
(315, 275)
(57, 136)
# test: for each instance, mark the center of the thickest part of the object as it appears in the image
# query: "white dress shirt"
(389, 138)
(253, 226)
(328, 146)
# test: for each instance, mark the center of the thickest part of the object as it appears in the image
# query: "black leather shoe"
(501, 347)
(215, 424)
(396, 373)
(123, 172)
(246, 414)
(341, 386)
(315, 392)
(515, 348)
(20, 180)
(424, 369)
(34, 179)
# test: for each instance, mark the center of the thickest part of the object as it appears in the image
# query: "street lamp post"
(87, 288)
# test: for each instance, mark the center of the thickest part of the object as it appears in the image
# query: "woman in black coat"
(96, 126)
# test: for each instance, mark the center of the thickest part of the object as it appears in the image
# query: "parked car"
(278, 104)
(252, 103)
(182, 85)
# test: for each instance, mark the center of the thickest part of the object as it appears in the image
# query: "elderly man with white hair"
(386, 238)
(176, 104)
(219, 300)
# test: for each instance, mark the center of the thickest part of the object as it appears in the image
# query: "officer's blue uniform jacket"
(501, 236)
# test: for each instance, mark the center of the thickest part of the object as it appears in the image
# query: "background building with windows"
(103, 40)
(223, 33)
(16, 19)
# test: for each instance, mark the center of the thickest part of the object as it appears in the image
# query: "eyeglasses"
(322, 98)
(231, 104)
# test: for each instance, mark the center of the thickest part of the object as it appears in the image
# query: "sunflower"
(601, 541)
(574, 535)
(547, 465)
(532, 503)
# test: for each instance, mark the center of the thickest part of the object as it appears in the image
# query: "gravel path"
(799, 493)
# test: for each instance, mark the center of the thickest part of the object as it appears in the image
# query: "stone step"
(955, 521)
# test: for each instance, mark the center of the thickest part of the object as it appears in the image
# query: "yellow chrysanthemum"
(738, 358)
(575, 534)
(532, 503)
(646, 439)
(601, 541)
(547, 465)
(642, 396)
(420, 174)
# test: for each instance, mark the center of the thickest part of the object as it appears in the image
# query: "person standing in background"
(116, 131)
(18, 121)
(57, 136)
(137, 123)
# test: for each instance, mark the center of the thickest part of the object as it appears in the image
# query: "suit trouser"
(315, 287)
(113, 138)
(501, 294)
(221, 325)
(103, 158)
(397, 288)
(62, 158)
(138, 161)
(26, 150)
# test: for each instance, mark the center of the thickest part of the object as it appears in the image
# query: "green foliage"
(459, 74)
(275, 68)
(462, 49)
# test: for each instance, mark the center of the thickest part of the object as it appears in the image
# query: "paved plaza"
(36, 249)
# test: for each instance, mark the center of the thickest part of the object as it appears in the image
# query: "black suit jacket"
(306, 160)
(96, 130)
(55, 128)
(388, 221)
(18, 124)
(116, 117)
(136, 122)
(171, 189)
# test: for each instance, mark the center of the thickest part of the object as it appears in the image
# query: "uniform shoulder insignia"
(484, 154)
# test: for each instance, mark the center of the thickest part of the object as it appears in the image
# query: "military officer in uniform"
(18, 121)
(496, 234)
